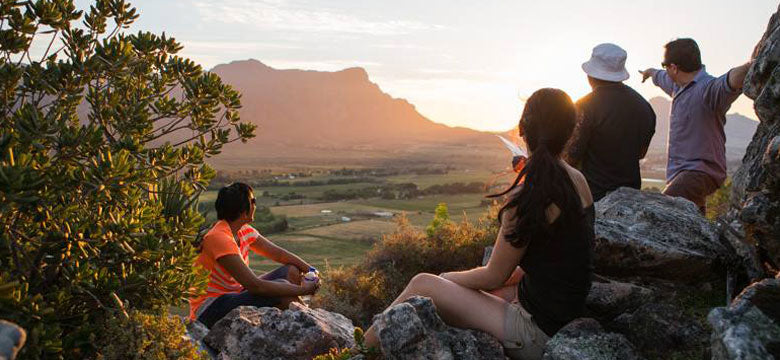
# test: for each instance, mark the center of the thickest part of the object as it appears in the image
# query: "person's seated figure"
(615, 125)
(539, 273)
(224, 252)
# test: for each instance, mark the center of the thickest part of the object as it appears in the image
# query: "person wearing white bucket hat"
(615, 125)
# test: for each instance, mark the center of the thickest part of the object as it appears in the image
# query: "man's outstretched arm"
(660, 78)
(737, 75)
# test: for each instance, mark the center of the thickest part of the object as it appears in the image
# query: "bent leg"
(287, 272)
(509, 291)
(455, 304)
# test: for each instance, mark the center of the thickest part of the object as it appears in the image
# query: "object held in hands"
(519, 156)
(312, 275)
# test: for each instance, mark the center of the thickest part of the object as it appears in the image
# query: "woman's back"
(558, 268)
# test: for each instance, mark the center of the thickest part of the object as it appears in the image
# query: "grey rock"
(653, 235)
(747, 259)
(585, 339)
(756, 183)
(196, 330)
(608, 299)
(413, 330)
(269, 333)
(12, 338)
(749, 328)
(659, 328)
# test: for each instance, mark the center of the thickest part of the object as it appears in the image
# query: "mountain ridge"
(311, 117)
(340, 114)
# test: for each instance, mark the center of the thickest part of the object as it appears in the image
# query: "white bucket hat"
(608, 62)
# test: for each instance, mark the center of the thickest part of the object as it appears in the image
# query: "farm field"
(338, 233)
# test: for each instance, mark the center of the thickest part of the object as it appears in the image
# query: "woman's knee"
(424, 283)
(293, 274)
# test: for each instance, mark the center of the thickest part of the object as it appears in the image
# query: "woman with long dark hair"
(543, 251)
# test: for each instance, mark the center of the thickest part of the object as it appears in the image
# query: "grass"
(463, 176)
(337, 208)
(428, 203)
(320, 251)
(366, 230)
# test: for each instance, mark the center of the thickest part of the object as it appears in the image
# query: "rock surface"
(269, 333)
(413, 330)
(659, 328)
(649, 234)
(196, 331)
(608, 299)
(585, 339)
(756, 184)
(750, 327)
(12, 339)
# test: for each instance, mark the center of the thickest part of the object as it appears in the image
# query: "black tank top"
(558, 273)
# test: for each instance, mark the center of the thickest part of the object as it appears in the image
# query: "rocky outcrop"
(413, 330)
(585, 339)
(269, 333)
(649, 234)
(750, 327)
(12, 339)
(756, 184)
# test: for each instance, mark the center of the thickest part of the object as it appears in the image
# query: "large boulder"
(750, 327)
(585, 339)
(413, 330)
(269, 333)
(756, 184)
(12, 339)
(649, 234)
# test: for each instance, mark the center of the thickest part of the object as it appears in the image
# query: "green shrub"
(361, 291)
(145, 336)
(102, 147)
(345, 353)
(718, 203)
(441, 217)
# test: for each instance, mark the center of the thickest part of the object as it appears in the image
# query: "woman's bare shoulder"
(580, 183)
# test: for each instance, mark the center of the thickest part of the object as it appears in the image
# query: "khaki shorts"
(523, 339)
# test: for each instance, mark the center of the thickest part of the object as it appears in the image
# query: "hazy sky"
(465, 63)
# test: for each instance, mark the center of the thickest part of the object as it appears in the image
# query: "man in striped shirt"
(225, 254)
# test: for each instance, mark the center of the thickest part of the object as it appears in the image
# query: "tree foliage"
(103, 136)
(441, 217)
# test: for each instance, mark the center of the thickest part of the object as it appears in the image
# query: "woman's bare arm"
(266, 248)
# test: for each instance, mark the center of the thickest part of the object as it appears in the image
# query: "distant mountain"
(739, 131)
(303, 115)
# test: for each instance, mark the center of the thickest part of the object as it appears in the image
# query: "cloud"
(233, 46)
(284, 16)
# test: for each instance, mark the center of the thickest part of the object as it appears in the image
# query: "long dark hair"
(548, 120)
